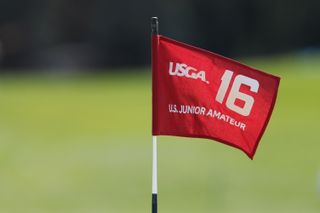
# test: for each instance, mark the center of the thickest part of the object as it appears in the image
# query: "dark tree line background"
(82, 34)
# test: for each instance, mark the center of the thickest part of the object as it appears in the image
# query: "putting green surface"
(83, 144)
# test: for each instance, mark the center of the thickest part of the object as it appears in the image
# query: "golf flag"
(200, 94)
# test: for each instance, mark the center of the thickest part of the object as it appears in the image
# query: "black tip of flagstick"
(154, 203)
(154, 25)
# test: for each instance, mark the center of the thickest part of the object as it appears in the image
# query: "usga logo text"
(183, 70)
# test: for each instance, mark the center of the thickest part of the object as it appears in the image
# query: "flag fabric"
(201, 94)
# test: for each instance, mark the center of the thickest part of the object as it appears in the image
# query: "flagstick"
(154, 175)
(154, 31)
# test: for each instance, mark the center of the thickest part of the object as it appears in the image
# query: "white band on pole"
(154, 165)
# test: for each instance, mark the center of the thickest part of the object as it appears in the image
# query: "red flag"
(200, 94)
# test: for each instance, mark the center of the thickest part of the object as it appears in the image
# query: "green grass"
(83, 144)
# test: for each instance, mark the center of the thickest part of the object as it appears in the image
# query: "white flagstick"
(154, 174)
(154, 31)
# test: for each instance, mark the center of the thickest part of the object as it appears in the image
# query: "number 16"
(236, 94)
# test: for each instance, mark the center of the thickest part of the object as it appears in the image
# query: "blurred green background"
(75, 108)
(82, 143)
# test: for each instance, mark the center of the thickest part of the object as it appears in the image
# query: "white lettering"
(183, 70)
